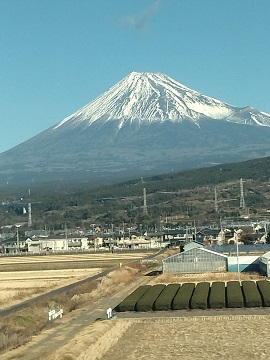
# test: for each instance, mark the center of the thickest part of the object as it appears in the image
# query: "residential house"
(15, 245)
(57, 243)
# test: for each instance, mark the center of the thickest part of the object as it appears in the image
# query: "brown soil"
(218, 337)
(79, 335)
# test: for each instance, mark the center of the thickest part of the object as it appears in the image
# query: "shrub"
(199, 298)
(217, 299)
(164, 301)
(252, 297)
(181, 300)
(264, 289)
(146, 302)
(129, 303)
(234, 295)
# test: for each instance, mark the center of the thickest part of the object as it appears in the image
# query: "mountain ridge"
(169, 100)
(146, 124)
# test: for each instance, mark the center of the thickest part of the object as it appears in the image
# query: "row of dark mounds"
(219, 295)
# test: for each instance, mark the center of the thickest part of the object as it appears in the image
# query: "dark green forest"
(202, 195)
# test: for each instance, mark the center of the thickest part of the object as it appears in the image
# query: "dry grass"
(183, 278)
(166, 254)
(93, 342)
(190, 338)
(110, 340)
(23, 277)
(66, 262)
(22, 273)
(18, 328)
(19, 286)
(20, 295)
(233, 337)
(107, 285)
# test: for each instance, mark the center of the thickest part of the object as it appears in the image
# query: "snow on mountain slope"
(145, 124)
(151, 97)
(251, 116)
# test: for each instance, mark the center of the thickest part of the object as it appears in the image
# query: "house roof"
(60, 237)
(14, 240)
(211, 231)
(155, 234)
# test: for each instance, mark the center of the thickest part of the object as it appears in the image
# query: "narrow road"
(65, 329)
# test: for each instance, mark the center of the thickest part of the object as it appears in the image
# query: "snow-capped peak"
(151, 97)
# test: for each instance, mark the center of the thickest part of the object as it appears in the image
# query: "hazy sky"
(58, 55)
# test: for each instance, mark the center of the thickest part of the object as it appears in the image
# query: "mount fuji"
(146, 124)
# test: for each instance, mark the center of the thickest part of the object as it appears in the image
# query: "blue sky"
(57, 56)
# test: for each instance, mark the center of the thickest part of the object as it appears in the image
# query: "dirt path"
(81, 328)
(66, 329)
(81, 333)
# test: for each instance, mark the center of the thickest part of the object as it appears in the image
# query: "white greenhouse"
(264, 263)
(196, 260)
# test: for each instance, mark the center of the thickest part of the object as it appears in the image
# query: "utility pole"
(18, 240)
(195, 231)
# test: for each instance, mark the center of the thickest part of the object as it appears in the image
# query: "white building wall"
(84, 243)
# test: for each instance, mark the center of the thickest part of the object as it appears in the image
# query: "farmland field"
(190, 335)
(216, 337)
(24, 277)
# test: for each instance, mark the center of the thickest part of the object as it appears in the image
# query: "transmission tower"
(242, 200)
(216, 200)
(145, 212)
(29, 215)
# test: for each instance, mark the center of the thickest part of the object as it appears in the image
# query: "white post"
(51, 314)
(109, 313)
(59, 313)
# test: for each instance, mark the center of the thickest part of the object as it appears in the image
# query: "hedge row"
(181, 300)
(188, 296)
(146, 302)
(234, 295)
(217, 296)
(129, 303)
(264, 290)
(199, 298)
(164, 300)
(252, 297)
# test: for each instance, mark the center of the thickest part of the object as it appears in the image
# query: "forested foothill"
(204, 195)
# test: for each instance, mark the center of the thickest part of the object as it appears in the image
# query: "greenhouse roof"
(266, 255)
(195, 252)
(192, 245)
